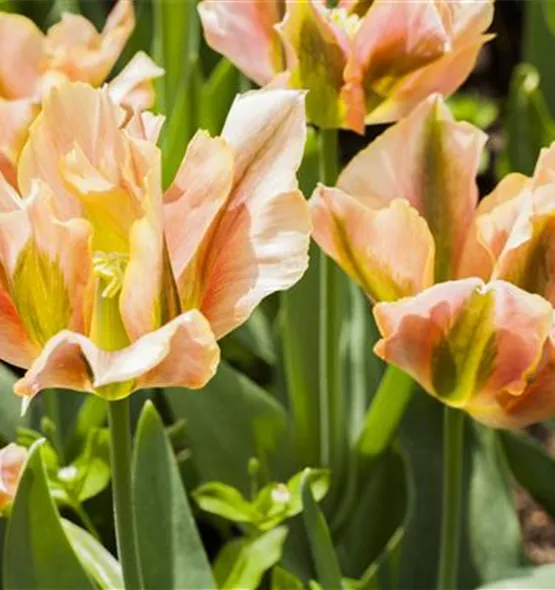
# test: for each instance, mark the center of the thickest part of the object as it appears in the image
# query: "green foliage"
(170, 550)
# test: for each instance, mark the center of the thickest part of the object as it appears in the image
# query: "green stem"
(52, 411)
(329, 337)
(84, 518)
(120, 453)
(385, 412)
(453, 439)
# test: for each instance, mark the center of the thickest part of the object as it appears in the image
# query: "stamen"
(350, 23)
(111, 268)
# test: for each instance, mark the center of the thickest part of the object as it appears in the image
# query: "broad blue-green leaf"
(494, 529)
(10, 406)
(321, 544)
(533, 468)
(98, 561)
(534, 578)
(529, 123)
(230, 421)
(243, 562)
(37, 552)
(170, 549)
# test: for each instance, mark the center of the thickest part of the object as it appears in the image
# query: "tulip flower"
(363, 62)
(464, 290)
(12, 462)
(103, 276)
(71, 50)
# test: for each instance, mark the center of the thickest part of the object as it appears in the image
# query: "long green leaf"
(171, 553)
(321, 544)
(536, 578)
(98, 561)
(37, 552)
(230, 421)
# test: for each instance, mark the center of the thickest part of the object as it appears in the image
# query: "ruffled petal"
(133, 87)
(12, 462)
(317, 53)
(437, 175)
(21, 47)
(183, 353)
(243, 31)
(75, 48)
(388, 250)
(464, 341)
(493, 222)
(259, 241)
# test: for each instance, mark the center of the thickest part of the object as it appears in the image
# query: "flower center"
(349, 23)
(110, 267)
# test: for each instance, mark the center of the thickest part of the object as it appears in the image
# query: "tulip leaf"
(319, 537)
(98, 561)
(92, 413)
(259, 429)
(284, 580)
(529, 124)
(171, 552)
(218, 93)
(243, 562)
(37, 551)
(10, 406)
(538, 578)
(533, 468)
(225, 501)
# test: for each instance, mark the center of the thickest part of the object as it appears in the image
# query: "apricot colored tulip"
(103, 276)
(71, 50)
(12, 462)
(464, 290)
(363, 62)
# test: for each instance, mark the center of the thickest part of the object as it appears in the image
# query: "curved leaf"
(170, 549)
(37, 552)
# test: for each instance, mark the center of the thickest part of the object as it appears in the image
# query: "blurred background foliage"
(246, 438)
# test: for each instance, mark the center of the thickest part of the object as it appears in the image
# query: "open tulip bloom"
(71, 50)
(362, 62)
(464, 291)
(107, 285)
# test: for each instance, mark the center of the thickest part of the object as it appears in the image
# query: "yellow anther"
(111, 268)
(350, 23)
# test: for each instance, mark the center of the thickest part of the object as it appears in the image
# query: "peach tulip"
(103, 276)
(464, 290)
(12, 462)
(363, 62)
(71, 50)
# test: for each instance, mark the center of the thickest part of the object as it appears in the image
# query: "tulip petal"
(317, 54)
(193, 201)
(47, 265)
(12, 463)
(258, 243)
(493, 222)
(183, 353)
(133, 86)
(243, 31)
(464, 341)
(74, 46)
(21, 47)
(388, 251)
(437, 175)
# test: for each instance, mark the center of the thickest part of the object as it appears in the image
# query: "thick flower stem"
(329, 337)
(453, 438)
(120, 453)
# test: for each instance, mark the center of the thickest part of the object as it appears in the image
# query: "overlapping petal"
(257, 241)
(12, 462)
(437, 178)
(467, 343)
(182, 353)
(243, 30)
(386, 248)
